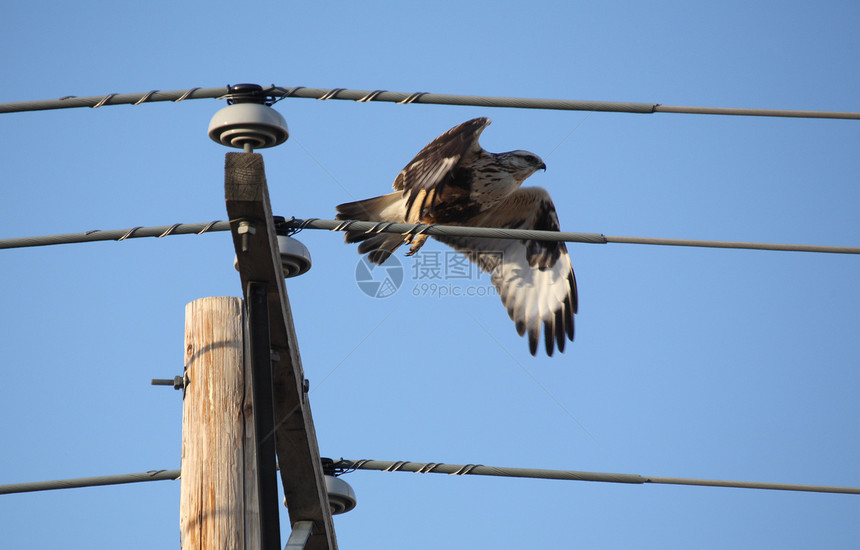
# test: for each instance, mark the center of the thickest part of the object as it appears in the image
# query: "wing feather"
(534, 279)
(434, 167)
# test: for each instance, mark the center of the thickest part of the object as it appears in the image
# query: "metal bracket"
(299, 536)
(261, 371)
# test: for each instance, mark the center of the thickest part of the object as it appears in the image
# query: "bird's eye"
(531, 159)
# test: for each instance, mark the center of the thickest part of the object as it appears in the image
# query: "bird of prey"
(454, 181)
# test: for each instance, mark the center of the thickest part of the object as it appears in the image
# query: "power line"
(29, 487)
(70, 102)
(572, 475)
(116, 234)
(539, 235)
(277, 93)
(535, 103)
(439, 468)
(415, 229)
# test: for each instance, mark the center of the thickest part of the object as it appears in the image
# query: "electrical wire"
(70, 102)
(116, 234)
(278, 93)
(347, 466)
(294, 225)
(536, 103)
(29, 487)
(540, 235)
(572, 475)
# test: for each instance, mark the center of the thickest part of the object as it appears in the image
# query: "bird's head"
(521, 164)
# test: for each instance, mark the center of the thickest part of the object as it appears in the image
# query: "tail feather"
(386, 208)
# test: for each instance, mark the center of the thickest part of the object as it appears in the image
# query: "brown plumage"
(454, 181)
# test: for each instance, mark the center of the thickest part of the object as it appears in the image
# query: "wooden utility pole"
(246, 398)
(218, 495)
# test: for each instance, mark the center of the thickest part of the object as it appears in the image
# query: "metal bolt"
(177, 382)
(245, 229)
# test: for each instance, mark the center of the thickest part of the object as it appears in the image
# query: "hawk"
(454, 181)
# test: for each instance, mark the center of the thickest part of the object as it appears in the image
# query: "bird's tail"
(386, 208)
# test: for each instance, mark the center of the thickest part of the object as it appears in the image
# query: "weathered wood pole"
(218, 496)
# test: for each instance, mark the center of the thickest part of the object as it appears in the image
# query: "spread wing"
(534, 279)
(435, 167)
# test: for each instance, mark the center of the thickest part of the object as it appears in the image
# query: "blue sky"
(700, 363)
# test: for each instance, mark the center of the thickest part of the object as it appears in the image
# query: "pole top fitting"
(246, 93)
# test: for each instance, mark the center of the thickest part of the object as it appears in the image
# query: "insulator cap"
(295, 257)
(341, 497)
(254, 124)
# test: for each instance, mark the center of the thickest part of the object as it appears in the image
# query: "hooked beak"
(542, 166)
